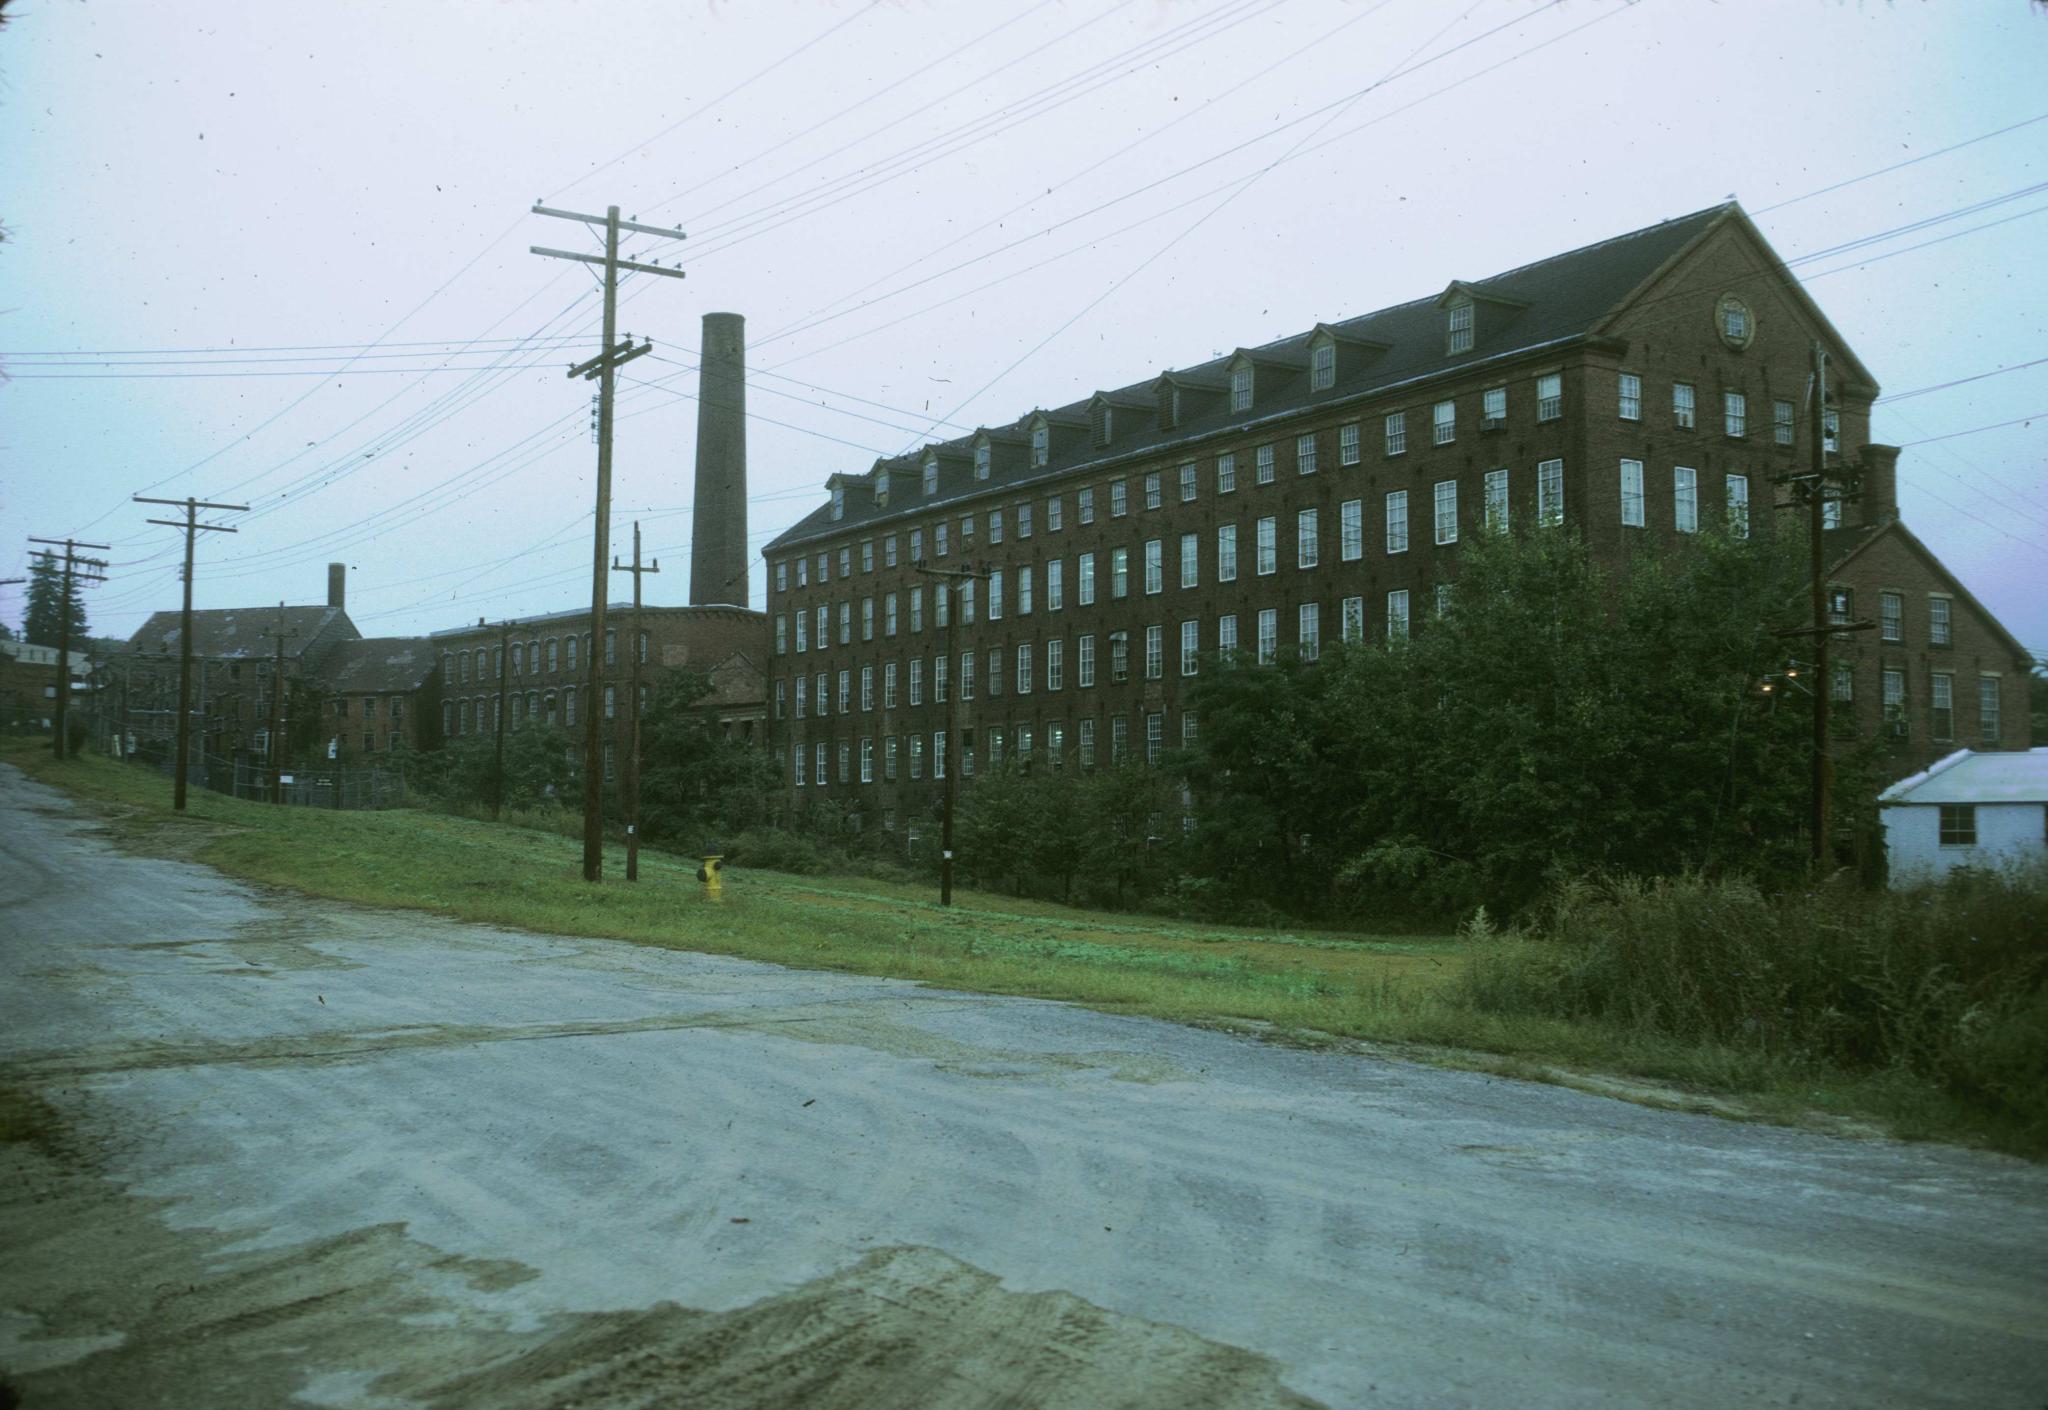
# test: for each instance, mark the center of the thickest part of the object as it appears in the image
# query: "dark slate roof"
(228, 633)
(379, 665)
(1562, 298)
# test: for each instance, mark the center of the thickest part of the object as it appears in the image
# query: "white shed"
(1969, 810)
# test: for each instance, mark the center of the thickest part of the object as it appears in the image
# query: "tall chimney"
(718, 541)
(1880, 484)
(337, 585)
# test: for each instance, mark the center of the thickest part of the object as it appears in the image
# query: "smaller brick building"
(381, 694)
(537, 669)
(28, 685)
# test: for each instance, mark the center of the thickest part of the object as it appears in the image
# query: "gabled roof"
(1553, 302)
(243, 633)
(1844, 546)
(385, 665)
(1994, 776)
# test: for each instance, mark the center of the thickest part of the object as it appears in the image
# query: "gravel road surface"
(321, 1155)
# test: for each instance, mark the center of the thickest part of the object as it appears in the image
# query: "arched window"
(610, 704)
(551, 707)
(554, 660)
(518, 658)
(569, 706)
(572, 653)
(533, 706)
(643, 648)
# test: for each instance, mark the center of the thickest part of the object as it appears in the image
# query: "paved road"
(367, 1158)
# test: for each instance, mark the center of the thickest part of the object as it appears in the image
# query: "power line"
(1900, 166)
(1974, 430)
(1958, 382)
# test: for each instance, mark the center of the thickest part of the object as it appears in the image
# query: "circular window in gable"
(1734, 321)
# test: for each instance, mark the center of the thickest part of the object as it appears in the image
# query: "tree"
(47, 603)
(697, 785)
(543, 766)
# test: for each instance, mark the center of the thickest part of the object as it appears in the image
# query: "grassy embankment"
(1306, 986)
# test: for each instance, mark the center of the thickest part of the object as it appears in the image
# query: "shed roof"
(1995, 776)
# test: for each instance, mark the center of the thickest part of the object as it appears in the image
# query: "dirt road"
(280, 1152)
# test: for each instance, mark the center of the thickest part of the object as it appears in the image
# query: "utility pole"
(498, 746)
(11, 582)
(604, 367)
(93, 574)
(1812, 492)
(192, 527)
(965, 577)
(632, 790)
(277, 716)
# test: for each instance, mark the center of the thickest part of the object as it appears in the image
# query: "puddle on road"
(113, 1307)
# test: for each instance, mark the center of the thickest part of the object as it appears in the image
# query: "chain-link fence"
(305, 788)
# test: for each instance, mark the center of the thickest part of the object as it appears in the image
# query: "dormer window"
(1241, 387)
(981, 459)
(930, 473)
(1041, 444)
(1322, 366)
(838, 502)
(1168, 399)
(1458, 328)
(1104, 423)
(881, 489)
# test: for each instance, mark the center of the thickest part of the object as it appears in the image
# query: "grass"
(1306, 987)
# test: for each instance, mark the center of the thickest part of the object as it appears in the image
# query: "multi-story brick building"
(537, 669)
(28, 685)
(382, 694)
(1287, 495)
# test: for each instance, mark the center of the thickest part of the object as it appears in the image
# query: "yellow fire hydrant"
(708, 874)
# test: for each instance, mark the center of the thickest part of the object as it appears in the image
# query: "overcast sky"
(298, 233)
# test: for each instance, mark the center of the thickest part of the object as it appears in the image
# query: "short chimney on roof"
(337, 585)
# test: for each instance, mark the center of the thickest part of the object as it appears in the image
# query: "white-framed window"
(940, 543)
(1155, 735)
(1119, 499)
(782, 576)
(867, 555)
(1084, 503)
(1443, 423)
(1267, 540)
(995, 526)
(1309, 626)
(846, 561)
(1493, 408)
(1226, 553)
(1041, 444)
(846, 691)
(1055, 519)
(1353, 620)
(1735, 413)
(1843, 688)
(917, 545)
(1550, 492)
(917, 756)
(867, 619)
(1269, 635)
(1989, 725)
(1084, 743)
(1226, 632)
(1781, 422)
(1024, 576)
(1308, 539)
(1155, 566)
(1305, 455)
(1685, 499)
(1022, 671)
(1894, 700)
(1397, 614)
(1550, 396)
(1631, 397)
(1938, 621)
(1891, 616)
(1684, 408)
(889, 752)
(1458, 328)
(781, 638)
(1055, 584)
(995, 594)
(1155, 652)
(1831, 432)
(982, 460)
(1190, 647)
(1187, 483)
(889, 551)
(846, 622)
(1119, 574)
(1738, 506)
(1446, 495)
(1496, 491)
(889, 614)
(838, 502)
(867, 759)
(889, 684)
(917, 609)
(1190, 560)
(1322, 367)
(1264, 461)
(1155, 494)
(1085, 676)
(1351, 530)
(1119, 738)
(867, 688)
(1347, 443)
(1055, 664)
(1241, 387)
(1397, 521)
(803, 696)
(1942, 712)
(1396, 426)
(1226, 473)
(781, 702)
(1632, 493)
(1084, 574)
(929, 476)
(1119, 657)
(917, 678)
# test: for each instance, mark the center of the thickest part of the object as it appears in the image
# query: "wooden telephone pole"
(75, 569)
(277, 715)
(632, 789)
(192, 527)
(604, 367)
(498, 745)
(964, 577)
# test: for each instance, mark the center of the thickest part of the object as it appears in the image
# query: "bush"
(1949, 982)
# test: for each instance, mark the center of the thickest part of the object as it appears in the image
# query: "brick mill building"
(1317, 488)
(537, 670)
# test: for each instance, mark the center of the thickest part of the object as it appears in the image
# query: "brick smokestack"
(337, 585)
(1880, 484)
(718, 540)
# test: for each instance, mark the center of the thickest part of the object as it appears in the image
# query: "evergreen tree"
(46, 604)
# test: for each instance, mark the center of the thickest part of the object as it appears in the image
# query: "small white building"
(1984, 810)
